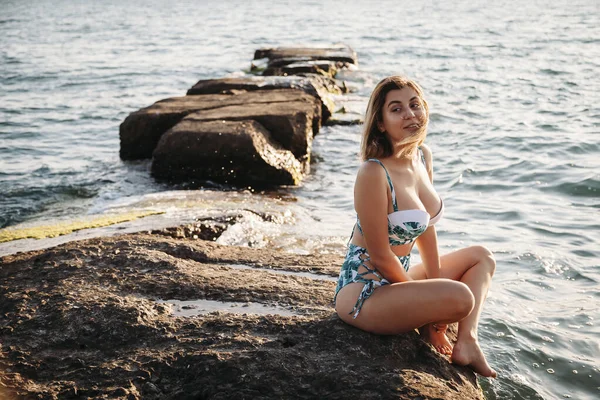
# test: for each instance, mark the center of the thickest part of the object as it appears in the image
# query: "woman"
(397, 207)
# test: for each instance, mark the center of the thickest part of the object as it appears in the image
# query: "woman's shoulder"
(371, 166)
(371, 180)
(371, 169)
(426, 150)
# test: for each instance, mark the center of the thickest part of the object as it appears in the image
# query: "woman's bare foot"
(436, 335)
(468, 352)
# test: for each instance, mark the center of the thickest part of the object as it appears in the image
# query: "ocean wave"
(581, 147)
(589, 187)
(549, 127)
(8, 21)
(549, 71)
(21, 203)
(547, 231)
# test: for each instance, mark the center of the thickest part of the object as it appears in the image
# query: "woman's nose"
(408, 114)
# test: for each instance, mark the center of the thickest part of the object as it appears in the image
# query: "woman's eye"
(415, 105)
(395, 109)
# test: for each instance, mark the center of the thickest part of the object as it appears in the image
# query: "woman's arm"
(428, 249)
(371, 204)
(427, 242)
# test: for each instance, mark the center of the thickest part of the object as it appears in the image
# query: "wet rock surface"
(87, 320)
(287, 55)
(142, 130)
(291, 124)
(317, 86)
(305, 67)
(208, 228)
(227, 151)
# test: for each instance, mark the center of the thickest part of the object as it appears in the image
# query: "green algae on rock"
(63, 228)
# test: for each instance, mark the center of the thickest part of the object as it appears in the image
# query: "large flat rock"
(142, 129)
(341, 53)
(93, 319)
(291, 124)
(233, 152)
(317, 86)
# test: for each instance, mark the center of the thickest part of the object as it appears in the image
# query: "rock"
(308, 67)
(141, 130)
(92, 324)
(210, 228)
(345, 119)
(207, 229)
(314, 85)
(341, 53)
(283, 62)
(273, 116)
(238, 152)
(309, 84)
(291, 124)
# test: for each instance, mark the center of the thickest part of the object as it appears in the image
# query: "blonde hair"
(374, 143)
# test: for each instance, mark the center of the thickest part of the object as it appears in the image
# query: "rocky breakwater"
(254, 130)
(128, 317)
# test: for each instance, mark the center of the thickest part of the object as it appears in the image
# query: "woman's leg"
(473, 266)
(401, 307)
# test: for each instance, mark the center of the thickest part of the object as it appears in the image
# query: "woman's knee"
(485, 258)
(461, 300)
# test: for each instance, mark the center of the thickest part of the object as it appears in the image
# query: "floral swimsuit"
(404, 226)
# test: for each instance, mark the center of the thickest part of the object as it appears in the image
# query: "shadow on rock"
(84, 320)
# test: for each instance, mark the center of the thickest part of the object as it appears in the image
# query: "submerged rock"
(89, 319)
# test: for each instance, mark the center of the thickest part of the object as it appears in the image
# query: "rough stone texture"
(314, 85)
(207, 228)
(345, 119)
(81, 320)
(291, 124)
(282, 62)
(225, 151)
(309, 67)
(141, 130)
(340, 53)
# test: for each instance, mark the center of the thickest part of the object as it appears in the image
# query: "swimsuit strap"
(357, 223)
(389, 181)
(422, 157)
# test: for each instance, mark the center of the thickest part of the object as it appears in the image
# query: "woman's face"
(403, 114)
